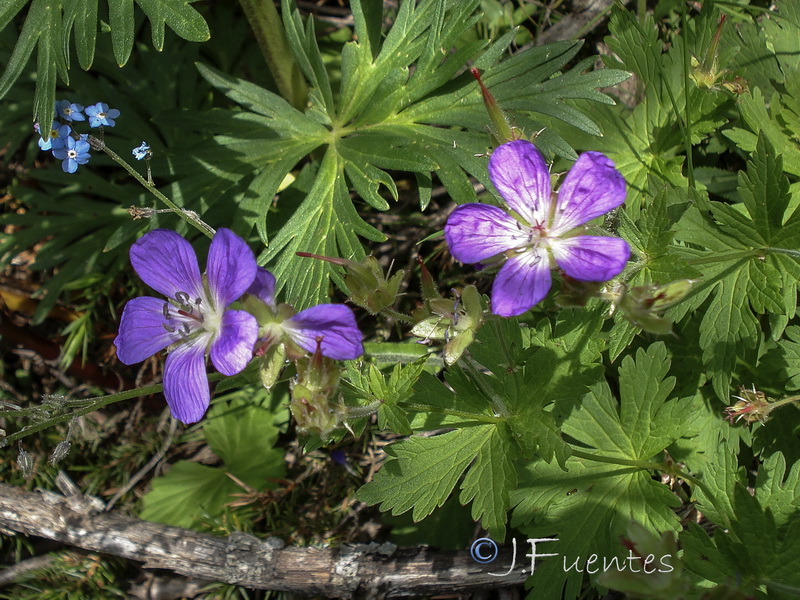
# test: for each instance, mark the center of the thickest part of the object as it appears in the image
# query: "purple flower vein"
(194, 318)
(539, 232)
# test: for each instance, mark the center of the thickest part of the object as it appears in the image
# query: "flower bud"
(576, 293)
(25, 462)
(752, 406)
(706, 72)
(501, 128)
(312, 391)
(454, 322)
(369, 287)
(60, 453)
(641, 305)
(270, 364)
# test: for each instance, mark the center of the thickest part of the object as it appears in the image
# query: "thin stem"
(471, 368)
(93, 405)
(89, 405)
(397, 316)
(787, 251)
(705, 260)
(271, 37)
(678, 114)
(670, 469)
(687, 133)
(625, 462)
(189, 216)
(452, 412)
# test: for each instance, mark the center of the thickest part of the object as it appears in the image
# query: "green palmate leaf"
(787, 355)
(645, 422)
(778, 490)
(422, 472)
(770, 122)
(488, 482)
(242, 434)
(394, 99)
(186, 493)
(371, 385)
(120, 15)
(42, 29)
(760, 553)
(49, 24)
(769, 48)
(590, 504)
(648, 143)
(750, 259)
(83, 13)
(650, 237)
(179, 15)
(325, 223)
(586, 508)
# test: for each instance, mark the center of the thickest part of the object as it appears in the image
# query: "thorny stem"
(187, 215)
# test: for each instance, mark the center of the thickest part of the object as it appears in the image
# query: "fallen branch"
(364, 570)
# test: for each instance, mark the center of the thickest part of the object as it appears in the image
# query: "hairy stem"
(189, 216)
(271, 38)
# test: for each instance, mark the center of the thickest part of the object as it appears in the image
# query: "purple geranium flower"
(99, 114)
(194, 318)
(538, 229)
(332, 327)
(72, 152)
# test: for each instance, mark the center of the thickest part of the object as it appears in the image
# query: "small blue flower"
(73, 153)
(99, 114)
(69, 111)
(142, 151)
(57, 132)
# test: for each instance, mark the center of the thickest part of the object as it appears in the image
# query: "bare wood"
(364, 570)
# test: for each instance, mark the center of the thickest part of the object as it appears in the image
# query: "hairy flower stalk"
(537, 233)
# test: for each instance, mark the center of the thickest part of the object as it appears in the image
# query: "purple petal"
(231, 268)
(167, 263)
(233, 348)
(141, 330)
(334, 324)
(475, 232)
(263, 287)
(186, 382)
(591, 258)
(519, 173)
(592, 188)
(522, 282)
